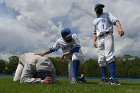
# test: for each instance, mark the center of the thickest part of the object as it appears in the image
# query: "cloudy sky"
(34, 25)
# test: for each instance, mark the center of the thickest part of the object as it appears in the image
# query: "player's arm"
(55, 47)
(46, 52)
(94, 34)
(64, 54)
(116, 22)
(94, 40)
(119, 27)
(73, 50)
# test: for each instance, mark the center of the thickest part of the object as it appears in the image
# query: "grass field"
(92, 86)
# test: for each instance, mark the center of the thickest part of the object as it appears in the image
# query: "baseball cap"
(66, 32)
(97, 6)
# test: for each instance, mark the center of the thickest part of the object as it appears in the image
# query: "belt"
(105, 34)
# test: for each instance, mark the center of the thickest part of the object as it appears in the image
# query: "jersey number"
(103, 23)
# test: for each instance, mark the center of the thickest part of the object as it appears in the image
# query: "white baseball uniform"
(103, 27)
(23, 59)
(29, 64)
(65, 46)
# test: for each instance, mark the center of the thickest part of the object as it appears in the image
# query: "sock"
(103, 72)
(112, 69)
(76, 64)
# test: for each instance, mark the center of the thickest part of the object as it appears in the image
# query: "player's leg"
(27, 75)
(18, 72)
(75, 66)
(101, 58)
(19, 67)
(70, 69)
(109, 53)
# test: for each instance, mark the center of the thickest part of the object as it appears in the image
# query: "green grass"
(92, 86)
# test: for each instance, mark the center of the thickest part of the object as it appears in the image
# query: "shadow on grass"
(88, 82)
(130, 84)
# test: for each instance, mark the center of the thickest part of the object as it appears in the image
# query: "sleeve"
(94, 28)
(112, 18)
(55, 47)
(76, 46)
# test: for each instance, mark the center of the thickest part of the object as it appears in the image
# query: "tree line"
(127, 66)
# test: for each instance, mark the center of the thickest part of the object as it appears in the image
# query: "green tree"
(2, 65)
(12, 64)
(60, 66)
(91, 68)
(120, 66)
(134, 72)
(126, 64)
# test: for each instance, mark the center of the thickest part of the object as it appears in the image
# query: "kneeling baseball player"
(35, 69)
(70, 45)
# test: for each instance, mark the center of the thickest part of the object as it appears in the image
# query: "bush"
(61, 67)
(134, 72)
(12, 65)
(2, 65)
(91, 68)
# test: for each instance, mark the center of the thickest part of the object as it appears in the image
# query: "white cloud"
(37, 24)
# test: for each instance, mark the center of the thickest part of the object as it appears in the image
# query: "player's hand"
(120, 32)
(48, 80)
(94, 43)
(62, 57)
(39, 54)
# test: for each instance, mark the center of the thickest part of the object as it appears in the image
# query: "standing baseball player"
(70, 45)
(103, 37)
(34, 69)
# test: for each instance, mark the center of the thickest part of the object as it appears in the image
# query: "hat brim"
(69, 35)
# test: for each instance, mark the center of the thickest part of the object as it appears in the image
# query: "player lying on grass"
(35, 69)
(70, 45)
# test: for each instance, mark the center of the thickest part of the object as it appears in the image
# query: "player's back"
(28, 57)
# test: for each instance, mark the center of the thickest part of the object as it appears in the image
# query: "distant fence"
(88, 78)
(6, 74)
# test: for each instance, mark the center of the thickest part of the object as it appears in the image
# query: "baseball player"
(103, 37)
(70, 45)
(34, 69)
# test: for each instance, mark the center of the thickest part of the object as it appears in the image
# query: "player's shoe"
(104, 81)
(114, 82)
(82, 78)
(73, 81)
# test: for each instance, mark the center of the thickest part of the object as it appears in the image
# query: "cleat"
(73, 81)
(114, 82)
(82, 78)
(104, 82)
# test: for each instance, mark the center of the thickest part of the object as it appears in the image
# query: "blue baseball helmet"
(97, 6)
(66, 32)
